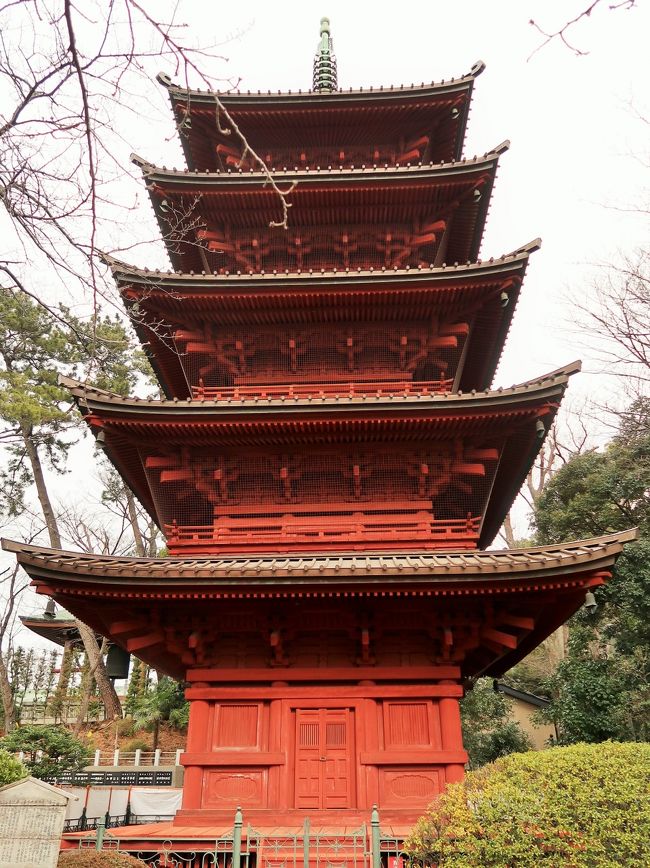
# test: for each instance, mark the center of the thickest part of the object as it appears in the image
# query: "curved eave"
(107, 404)
(245, 201)
(542, 586)
(189, 283)
(54, 630)
(465, 571)
(177, 93)
(123, 425)
(204, 181)
(258, 113)
(177, 299)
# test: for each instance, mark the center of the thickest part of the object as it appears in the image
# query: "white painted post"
(98, 758)
(116, 757)
(156, 757)
(136, 759)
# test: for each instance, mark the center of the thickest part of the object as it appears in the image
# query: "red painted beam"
(349, 673)
(506, 640)
(517, 621)
(138, 642)
(118, 628)
(413, 757)
(324, 692)
(234, 758)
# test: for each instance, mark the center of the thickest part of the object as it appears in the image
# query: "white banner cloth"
(150, 801)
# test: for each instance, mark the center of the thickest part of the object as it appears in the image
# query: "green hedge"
(583, 805)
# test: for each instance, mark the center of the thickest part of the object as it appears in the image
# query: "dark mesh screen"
(322, 247)
(311, 360)
(279, 501)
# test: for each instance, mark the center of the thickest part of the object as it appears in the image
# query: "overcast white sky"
(577, 145)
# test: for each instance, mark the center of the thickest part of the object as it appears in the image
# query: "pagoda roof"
(323, 117)
(59, 630)
(366, 195)
(124, 425)
(92, 400)
(547, 581)
(397, 295)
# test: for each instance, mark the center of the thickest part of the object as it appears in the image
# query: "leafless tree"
(617, 320)
(562, 33)
(142, 534)
(131, 530)
(12, 584)
(72, 78)
(557, 450)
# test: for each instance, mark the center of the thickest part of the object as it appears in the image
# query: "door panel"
(308, 758)
(324, 758)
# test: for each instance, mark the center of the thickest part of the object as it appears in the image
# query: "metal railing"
(365, 847)
(113, 821)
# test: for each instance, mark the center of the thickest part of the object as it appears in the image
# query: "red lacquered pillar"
(452, 738)
(198, 734)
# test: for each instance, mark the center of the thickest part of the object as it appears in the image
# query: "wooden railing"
(321, 390)
(291, 527)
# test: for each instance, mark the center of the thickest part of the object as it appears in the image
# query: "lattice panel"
(272, 501)
(339, 358)
(322, 247)
(237, 726)
(407, 724)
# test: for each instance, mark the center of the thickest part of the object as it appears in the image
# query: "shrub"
(61, 751)
(125, 726)
(583, 805)
(94, 859)
(488, 732)
(11, 769)
(136, 744)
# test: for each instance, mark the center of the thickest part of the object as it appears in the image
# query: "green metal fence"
(365, 847)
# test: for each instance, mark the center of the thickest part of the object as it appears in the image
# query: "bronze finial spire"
(324, 61)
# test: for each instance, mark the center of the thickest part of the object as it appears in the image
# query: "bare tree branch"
(561, 33)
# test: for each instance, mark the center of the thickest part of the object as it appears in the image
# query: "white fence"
(129, 758)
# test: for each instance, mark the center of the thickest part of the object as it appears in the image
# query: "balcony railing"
(321, 390)
(322, 524)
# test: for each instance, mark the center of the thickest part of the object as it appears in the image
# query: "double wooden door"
(324, 753)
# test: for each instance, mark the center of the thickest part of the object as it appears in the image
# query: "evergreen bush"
(11, 769)
(577, 806)
(49, 750)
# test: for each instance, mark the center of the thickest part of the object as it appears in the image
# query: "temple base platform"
(341, 841)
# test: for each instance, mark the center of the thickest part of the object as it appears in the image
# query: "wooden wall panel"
(407, 724)
(224, 788)
(237, 726)
(409, 788)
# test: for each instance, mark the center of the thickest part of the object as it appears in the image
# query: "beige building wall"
(539, 734)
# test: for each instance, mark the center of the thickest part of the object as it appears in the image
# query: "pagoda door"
(323, 758)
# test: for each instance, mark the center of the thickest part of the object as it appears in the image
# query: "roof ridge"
(149, 168)
(476, 69)
(80, 389)
(522, 253)
(624, 536)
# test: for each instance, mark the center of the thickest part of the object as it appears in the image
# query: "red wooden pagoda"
(329, 464)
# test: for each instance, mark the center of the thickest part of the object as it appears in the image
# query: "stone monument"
(31, 823)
